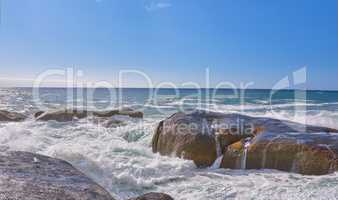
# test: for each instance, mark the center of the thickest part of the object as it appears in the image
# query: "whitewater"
(121, 160)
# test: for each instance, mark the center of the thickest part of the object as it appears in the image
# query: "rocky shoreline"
(220, 140)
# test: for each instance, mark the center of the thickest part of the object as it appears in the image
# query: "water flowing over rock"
(31, 176)
(6, 116)
(153, 196)
(71, 114)
(248, 142)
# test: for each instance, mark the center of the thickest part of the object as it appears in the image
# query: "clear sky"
(258, 41)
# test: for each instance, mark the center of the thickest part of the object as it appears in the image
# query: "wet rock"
(71, 114)
(153, 196)
(131, 113)
(37, 114)
(304, 153)
(110, 123)
(203, 136)
(6, 116)
(61, 115)
(195, 136)
(124, 111)
(31, 176)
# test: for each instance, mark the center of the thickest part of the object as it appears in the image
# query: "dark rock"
(31, 176)
(37, 114)
(124, 111)
(7, 116)
(131, 113)
(61, 115)
(71, 114)
(153, 196)
(109, 113)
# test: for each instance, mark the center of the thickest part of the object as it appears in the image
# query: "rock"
(31, 176)
(61, 115)
(109, 113)
(37, 114)
(304, 153)
(7, 116)
(124, 111)
(153, 196)
(195, 136)
(109, 122)
(71, 114)
(131, 113)
(203, 136)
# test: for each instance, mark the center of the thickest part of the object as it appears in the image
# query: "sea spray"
(245, 153)
(218, 161)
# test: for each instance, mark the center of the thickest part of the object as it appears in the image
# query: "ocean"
(121, 160)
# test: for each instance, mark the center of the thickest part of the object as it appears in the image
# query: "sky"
(238, 41)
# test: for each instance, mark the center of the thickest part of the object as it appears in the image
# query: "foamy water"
(121, 160)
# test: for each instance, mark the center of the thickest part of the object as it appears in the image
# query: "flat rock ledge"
(30, 176)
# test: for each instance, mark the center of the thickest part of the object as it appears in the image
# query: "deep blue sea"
(121, 159)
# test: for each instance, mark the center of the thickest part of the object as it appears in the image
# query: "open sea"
(121, 160)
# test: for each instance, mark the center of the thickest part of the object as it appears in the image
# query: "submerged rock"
(7, 116)
(203, 136)
(153, 196)
(71, 114)
(31, 176)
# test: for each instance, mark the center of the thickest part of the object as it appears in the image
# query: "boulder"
(203, 136)
(61, 115)
(71, 114)
(153, 196)
(37, 114)
(109, 122)
(6, 116)
(31, 176)
(124, 111)
(304, 153)
(197, 136)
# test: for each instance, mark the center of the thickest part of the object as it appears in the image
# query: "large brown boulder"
(203, 136)
(153, 196)
(31, 176)
(6, 116)
(197, 136)
(305, 153)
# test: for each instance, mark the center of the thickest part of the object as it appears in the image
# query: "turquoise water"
(121, 160)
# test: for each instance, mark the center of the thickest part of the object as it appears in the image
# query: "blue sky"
(172, 40)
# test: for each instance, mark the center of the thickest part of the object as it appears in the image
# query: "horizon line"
(180, 88)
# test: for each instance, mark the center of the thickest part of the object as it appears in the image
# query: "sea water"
(121, 160)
